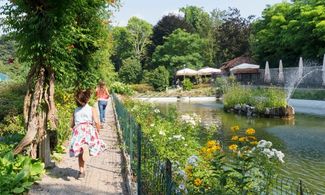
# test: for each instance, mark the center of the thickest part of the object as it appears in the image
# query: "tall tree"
(181, 48)
(233, 36)
(122, 46)
(140, 31)
(166, 26)
(61, 41)
(289, 30)
(203, 25)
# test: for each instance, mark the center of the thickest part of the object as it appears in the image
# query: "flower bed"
(245, 165)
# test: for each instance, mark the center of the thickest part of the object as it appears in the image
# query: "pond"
(301, 139)
(3, 77)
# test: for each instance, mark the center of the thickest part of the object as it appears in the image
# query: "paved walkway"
(103, 173)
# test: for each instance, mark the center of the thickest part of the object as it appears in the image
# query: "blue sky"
(152, 11)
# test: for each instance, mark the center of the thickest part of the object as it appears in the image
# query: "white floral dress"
(85, 133)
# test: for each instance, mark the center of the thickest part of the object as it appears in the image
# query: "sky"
(153, 10)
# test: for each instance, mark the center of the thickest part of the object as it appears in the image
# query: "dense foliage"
(158, 78)
(17, 173)
(288, 30)
(200, 165)
(131, 71)
(181, 48)
(260, 98)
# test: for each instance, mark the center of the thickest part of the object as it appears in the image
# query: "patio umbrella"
(267, 74)
(186, 72)
(245, 68)
(209, 71)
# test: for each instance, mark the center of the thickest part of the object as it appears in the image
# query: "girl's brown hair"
(82, 97)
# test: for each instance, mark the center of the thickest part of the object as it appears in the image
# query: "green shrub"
(11, 99)
(130, 71)
(260, 98)
(159, 78)
(187, 84)
(142, 88)
(121, 88)
(18, 173)
(12, 125)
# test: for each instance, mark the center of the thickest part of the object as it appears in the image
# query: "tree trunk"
(39, 111)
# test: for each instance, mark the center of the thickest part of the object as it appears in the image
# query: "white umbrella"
(208, 71)
(186, 72)
(267, 75)
(244, 66)
(281, 75)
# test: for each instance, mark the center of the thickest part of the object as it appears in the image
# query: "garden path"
(103, 173)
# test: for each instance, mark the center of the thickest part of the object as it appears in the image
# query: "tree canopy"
(181, 48)
(290, 30)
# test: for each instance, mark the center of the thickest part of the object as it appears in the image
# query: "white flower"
(151, 140)
(192, 160)
(269, 153)
(185, 145)
(181, 173)
(162, 133)
(181, 186)
(279, 155)
(156, 110)
(178, 137)
(152, 125)
(264, 144)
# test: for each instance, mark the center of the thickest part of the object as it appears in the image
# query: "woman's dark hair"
(82, 97)
(101, 84)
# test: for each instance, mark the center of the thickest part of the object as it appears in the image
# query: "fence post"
(168, 177)
(300, 188)
(139, 139)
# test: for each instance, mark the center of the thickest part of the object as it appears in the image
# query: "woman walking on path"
(102, 97)
(85, 127)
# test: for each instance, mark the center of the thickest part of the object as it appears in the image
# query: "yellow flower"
(215, 148)
(209, 151)
(203, 150)
(254, 142)
(234, 128)
(197, 182)
(211, 143)
(252, 137)
(233, 147)
(242, 139)
(234, 138)
(188, 170)
(250, 131)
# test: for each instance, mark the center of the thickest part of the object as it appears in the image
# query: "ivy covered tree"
(289, 30)
(62, 41)
(181, 48)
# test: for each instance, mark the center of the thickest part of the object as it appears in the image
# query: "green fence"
(153, 175)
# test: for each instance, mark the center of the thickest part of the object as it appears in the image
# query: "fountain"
(298, 77)
(300, 69)
(281, 75)
(267, 75)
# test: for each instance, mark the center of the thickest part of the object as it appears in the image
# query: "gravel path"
(103, 173)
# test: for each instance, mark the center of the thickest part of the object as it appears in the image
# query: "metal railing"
(154, 175)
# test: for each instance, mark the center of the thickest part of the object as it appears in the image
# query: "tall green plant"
(60, 41)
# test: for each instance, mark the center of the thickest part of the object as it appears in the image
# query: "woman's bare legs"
(81, 164)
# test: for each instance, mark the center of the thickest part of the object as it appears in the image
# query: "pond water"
(3, 77)
(301, 139)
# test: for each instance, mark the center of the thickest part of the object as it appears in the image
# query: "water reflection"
(301, 139)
